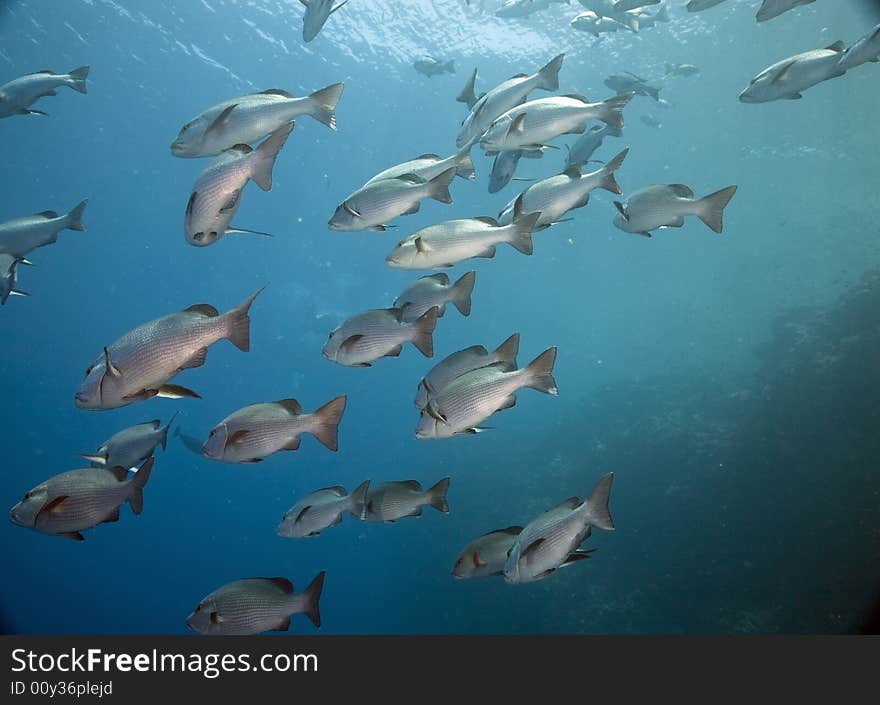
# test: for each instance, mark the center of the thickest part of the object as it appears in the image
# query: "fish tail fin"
(608, 182)
(324, 104)
(437, 496)
(12, 292)
(358, 498)
(539, 372)
(78, 79)
(423, 331)
(596, 505)
(239, 323)
(507, 351)
(327, 418)
(74, 217)
(611, 112)
(136, 497)
(710, 209)
(438, 187)
(549, 75)
(467, 93)
(461, 292)
(264, 156)
(464, 165)
(311, 596)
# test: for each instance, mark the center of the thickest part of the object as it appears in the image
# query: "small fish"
(373, 205)
(9, 277)
(523, 8)
(665, 206)
(650, 121)
(593, 24)
(139, 365)
(429, 166)
(630, 83)
(320, 510)
(21, 235)
(786, 79)
(317, 12)
(17, 96)
(467, 95)
(254, 432)
(363, 339)
(459, 363)
(681, 69)
(435, 290)
(391, 501)
(485, 556)
(533, 124)
(700, 5)
(773, 8)
(449, 242)
(69, 503)
(249, 118)
(429, 66)
(467, 401)
(865, 49)
(255, 605)
(131, 446)
(216, 194)
(582, 150)
(551, 541)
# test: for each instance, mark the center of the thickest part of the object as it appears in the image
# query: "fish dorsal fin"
(204, 309)
(237, 438)
(836, 46)
(570, 503)
(682, 190)
(440, 278)
(421, 245)
(573, 171)
(47, 214)
(577, 96)
(243, 148)
(350, 210)
(411, 485)
(338, 490)
(291, 406)
(516, 127)
(488, 220)
(49, 71)
(428, 156)
(411, 178)
(532, 547)
(275, 91)
(221, 120)
(284, 584)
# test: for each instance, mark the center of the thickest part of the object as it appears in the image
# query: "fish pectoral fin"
(471, 431)
(232, 230)
(349, 209)
(53, 506)
(113, 516)
(348, 344)
(421, 245)
(237, 438)
(479, 562)
(545, 573)
(507, 403)
(231, 202)
(302, 513)
(783, 72)
(336, 7)
(417, 512)
(94, 458)
(532, 547)
(174, 391)
(395, 351)
(142, 395)
(792, 96)
(621, 209)
(75, 535)
(252, 460)
(221, 120)
(292, 445)
(645, 233)
(196, 360)
(32, 111)
(377, 228)
(414, 208)
(579, 555)
(282, 626)
(517, 126)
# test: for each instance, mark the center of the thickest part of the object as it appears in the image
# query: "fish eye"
(211, 434)
(27, 495)
(198, 608)
(89, 370)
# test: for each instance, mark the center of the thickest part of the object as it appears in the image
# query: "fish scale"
(88, 494)
(252, 612)
(476, 395)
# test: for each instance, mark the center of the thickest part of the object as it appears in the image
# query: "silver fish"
(467, 401)
(486, 555)
(391, 501)
(317, 12)
(255, 605)
(787, 79)
(646, 20)
(581, 151)
(363, 339)
(467, 95)
(627, 5)
(552, 540)
(131, 446)
(700, 5)
(773, 8)
(9, 277)
(865, 49)
(681, 69)
(21, 235)
(256, 431)
(592, 23)
(373, 205)
(504, 167)
(69, 503)
(139, 365)
(665, 206)
(429, 66)
(216, 194)
(429, 166)
(435, 290)
(459, 363)
(630, 83)
(17, 96)
(523, 8)
(249, 118)
(320, 510)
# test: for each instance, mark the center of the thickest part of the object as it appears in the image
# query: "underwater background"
(729, 381)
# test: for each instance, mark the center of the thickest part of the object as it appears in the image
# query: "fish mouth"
(80, 399)
(177, 147)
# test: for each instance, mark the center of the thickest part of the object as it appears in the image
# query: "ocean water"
(729, 381)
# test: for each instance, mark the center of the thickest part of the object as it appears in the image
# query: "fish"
(373, 205)
(131, 446)
(467, 95)
(429, 166)
(9, 277)
(461, 362)
(773, 8)
(467, 401)
(630, 83)
(140, 364)
(391, 501)
(77, 500)
(317, 12)
(582, 150)
(646, 20)
(787, 79)
(533, 124)
(650, 121)
(681, 69)
(505, 96)
(593, 24)
(700, 5)
(504, 167)
(255, 432)
(20, 236)
(555, 196)
(255, 605)
(17, 96)
(249, 118)
(523, 8)
(606, 10)
(486, 555)
(216, 194)
(320, 510)
(865, 49)
(435, 290)
(665, 206)
(368, 336)
(627, 5)
(429, 66)
(552, 539)
(445, 244)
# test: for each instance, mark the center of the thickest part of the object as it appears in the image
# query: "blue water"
(730, 381)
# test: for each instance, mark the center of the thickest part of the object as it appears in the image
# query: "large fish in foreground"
(249, 118)
(216, 194)
(140, 364)
(666, 205)
(435, 290)
(256, 431)
(368, 336)
(9, 277)
(552, 540)
(317, 13)
(17, 96)
(391, 501)
(320, 510)
(131, 446)
(21, 235)
(787, 79)
(255, 605)
(69, 503)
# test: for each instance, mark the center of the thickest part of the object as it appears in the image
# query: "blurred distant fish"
(430, 166)
(647, 20)
(17, 96)
(255, 605)
(9, 277)
(627, 82)
(131, 446)
(363, 339)
(665, 206)
(21, 235)
(254, 432)
(786, 79)
(435, 290)
(581, 151)
(626, 5)
(391, 501)
(651, 120)
(699, 5)
(524, 8)
(681, 69)
(216, 194)
(249, 118)
(865, 49)
(773, 8)
(592, 23)
(467, 95)
(69, 503)
(320, 510)
(486, 555)
(429, 66)
(317, 12)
